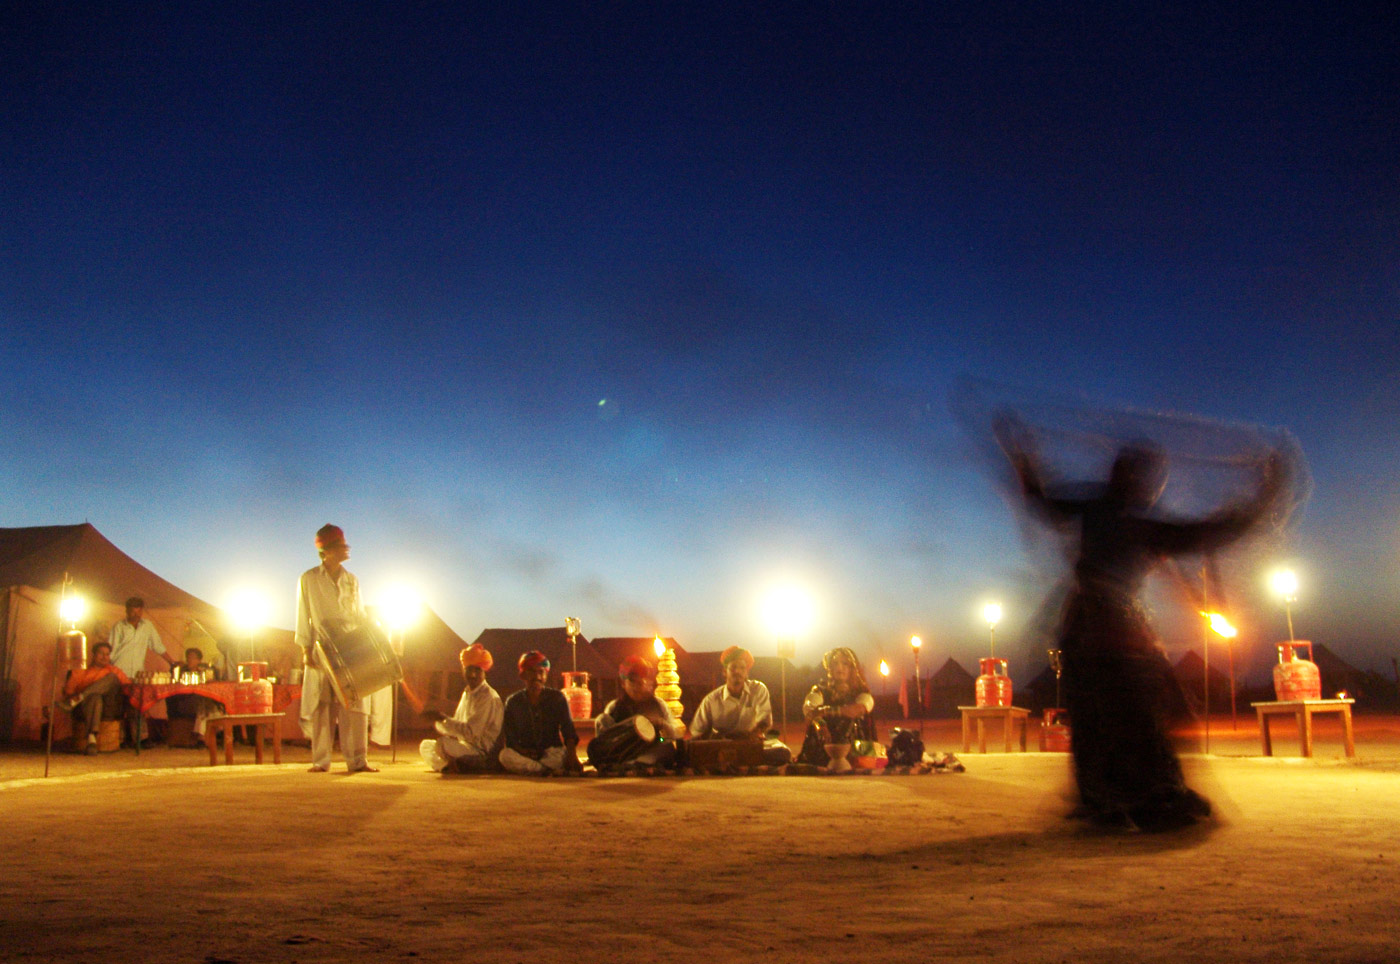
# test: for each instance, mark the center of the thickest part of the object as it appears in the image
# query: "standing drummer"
(328, 601)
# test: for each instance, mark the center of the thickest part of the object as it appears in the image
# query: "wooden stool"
(1303, 711)
(258, 721)
(1010, 716)
(109, 737)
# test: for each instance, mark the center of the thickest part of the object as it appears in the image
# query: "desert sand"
(164, 858)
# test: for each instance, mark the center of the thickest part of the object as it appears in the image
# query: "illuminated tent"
(33, 562)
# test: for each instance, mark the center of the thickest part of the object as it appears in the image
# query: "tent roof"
(614, 649)
(951, 673)
(508, 645)
(1192, 667)
(39, 556)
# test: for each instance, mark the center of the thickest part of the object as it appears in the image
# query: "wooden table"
(1303, 711)
(1009, 715)
(257, 721)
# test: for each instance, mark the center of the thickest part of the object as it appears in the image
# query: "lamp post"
(572, 627)
(885, 676)
(788, 612)
(916, 644)
(399, 609)
(70, 610)
(1285, 585)
(1219, 625)
(991, 613)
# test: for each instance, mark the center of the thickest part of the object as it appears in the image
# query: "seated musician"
(94, 694)
(467, 739)
(638, 679)
(539, 731)
(741, 709)
(838, 708)
(191, 705)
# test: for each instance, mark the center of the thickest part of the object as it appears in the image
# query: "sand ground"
(167, 859)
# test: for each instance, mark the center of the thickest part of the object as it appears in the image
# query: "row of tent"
(35, 561)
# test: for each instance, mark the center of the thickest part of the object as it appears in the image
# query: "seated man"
(94, 694)
(740, 709)
(468, 738)
(638, 678)
(838, 708)
(192, 705)
(539, 733)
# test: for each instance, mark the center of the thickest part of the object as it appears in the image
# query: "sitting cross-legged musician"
(740, 709)
(838, 708)
(467, 738)
(613, 747)
(539, 732)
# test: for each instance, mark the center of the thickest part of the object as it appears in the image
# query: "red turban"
(329, 535)
(477, 655)
(636, 667)
(739, 653)
(532, 660)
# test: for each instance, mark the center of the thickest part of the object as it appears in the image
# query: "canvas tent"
(508, 645)
(33, 562)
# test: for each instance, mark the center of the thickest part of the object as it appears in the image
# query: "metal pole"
(1288, 611)
(394, 713)
(1205, 645)
(1234, 717)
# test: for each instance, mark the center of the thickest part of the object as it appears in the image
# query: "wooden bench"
(257, 721)
(1010, 716)
(1304, 711)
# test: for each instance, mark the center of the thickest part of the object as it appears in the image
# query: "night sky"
(629, 311)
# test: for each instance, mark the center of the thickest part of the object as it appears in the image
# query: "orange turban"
(477, 655)
(739, 653)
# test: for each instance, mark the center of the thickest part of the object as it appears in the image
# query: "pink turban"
(477, 655)
(532, 660)
(636, 667)
(739, 653)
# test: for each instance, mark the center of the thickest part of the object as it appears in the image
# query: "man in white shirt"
(328, 599)
(740, 709)
(467, 739)
(133, 637)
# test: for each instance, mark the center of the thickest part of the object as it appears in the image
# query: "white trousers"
(445, 749)
(320, 712)
(553, 759)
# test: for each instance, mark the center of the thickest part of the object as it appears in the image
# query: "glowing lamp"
(789, 611)
(916, 642)
(1221, 625)
(399, 608)
(884, 668)
(72, 608)
(658, 647)
(248, 610)
(1284, 583)
(991, 613)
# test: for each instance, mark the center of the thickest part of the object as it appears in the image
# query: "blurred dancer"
(1115, 677)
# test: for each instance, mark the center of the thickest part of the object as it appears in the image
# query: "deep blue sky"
(269, 265)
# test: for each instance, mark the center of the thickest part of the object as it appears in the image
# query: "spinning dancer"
(1115, 677)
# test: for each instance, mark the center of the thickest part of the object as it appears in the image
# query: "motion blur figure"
(1116, 680)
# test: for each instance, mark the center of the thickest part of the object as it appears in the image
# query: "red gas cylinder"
(993, 686)
(253, 696)
(577, 693)
(1295, 678)
(1054, 731)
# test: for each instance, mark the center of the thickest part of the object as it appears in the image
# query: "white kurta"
(323, 603)
(131, 643)
(733, 716)
(472, 731)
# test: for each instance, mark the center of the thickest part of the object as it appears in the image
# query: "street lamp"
(788, 612)
(991, 614)
(248, 609)
(916, 644)
(399, 608)
(1218, 624)
(1284, 583)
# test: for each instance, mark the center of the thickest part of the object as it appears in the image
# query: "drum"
(358, 661)
(620, 743)
(723, 754)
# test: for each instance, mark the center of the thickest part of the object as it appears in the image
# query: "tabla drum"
(621, 742)
(358, 660)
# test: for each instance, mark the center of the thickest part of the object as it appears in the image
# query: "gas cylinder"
(579, 696)
(1295, 678)
(252, 696)
(1054, 731)
(993, 686)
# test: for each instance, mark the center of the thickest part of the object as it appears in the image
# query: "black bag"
(906, 748)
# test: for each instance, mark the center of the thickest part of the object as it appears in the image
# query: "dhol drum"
(358, 660)
(623, 742)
